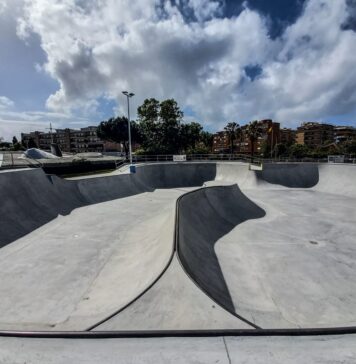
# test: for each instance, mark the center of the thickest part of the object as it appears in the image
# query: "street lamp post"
(128, 96)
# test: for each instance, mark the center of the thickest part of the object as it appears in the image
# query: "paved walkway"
(221, 350)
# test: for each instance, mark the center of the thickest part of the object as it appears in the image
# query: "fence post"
(12, 160)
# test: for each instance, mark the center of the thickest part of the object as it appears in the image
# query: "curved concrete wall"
(338, 179)
(290, 175)
(30, 198)
(204, 217)
(176, 175)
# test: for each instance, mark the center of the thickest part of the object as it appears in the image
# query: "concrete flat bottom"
(294, 267)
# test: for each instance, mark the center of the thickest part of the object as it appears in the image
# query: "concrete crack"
(227, 351)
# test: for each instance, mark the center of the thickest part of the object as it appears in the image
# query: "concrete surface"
(50, 196)
(204, 217)
(295, 265)
(19, 160)
(221, 350)
(276, 247)
(75, 270)
(174, 302)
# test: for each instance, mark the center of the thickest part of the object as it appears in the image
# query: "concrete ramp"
(79, 269)
(290, 175)
(272, 175)
(337, 179)
(174, 303)
(273, 248)
(204, 217)
(176, 175)
(30, 198)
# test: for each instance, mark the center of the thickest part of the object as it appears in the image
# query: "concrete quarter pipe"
(269, 249)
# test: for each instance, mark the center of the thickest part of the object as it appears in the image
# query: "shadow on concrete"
(205, 216)
(295, 175)
(30, 198)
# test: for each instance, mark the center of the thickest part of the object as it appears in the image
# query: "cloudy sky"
(67, 61)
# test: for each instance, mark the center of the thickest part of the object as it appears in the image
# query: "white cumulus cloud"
(98, 48)
(5, 103)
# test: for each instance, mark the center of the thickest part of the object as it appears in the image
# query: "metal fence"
(193, 157)
(12, 159)
(234, 157)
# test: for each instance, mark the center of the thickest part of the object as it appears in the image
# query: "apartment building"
(314, 134)
(287, 136)
(270, 135)
(40, 139)
(344, 133)
(221, 142)
(69, 140)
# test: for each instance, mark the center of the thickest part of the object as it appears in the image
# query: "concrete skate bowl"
(279, 293)
(30, 198)
(274, 248)
(47, 196)
(204, 217)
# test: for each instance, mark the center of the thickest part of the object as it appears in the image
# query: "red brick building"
(270, 136)
(287, 136)
(221, 142)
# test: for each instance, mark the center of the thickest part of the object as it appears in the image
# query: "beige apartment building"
(315, 134)
(69, 140)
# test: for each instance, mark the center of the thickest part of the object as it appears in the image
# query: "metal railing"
(194, 157)
(234, 157)
(17, 159)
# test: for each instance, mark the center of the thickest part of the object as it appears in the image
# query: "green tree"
(265, 150)
(160, 126)
(116, 130)
(253, 131)
(280, 149)
(207, 139)
(190, 136)
(350, 147)
(170, 122)
(15, 144)
(298, 151)
(148, 118)
(233, 131)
